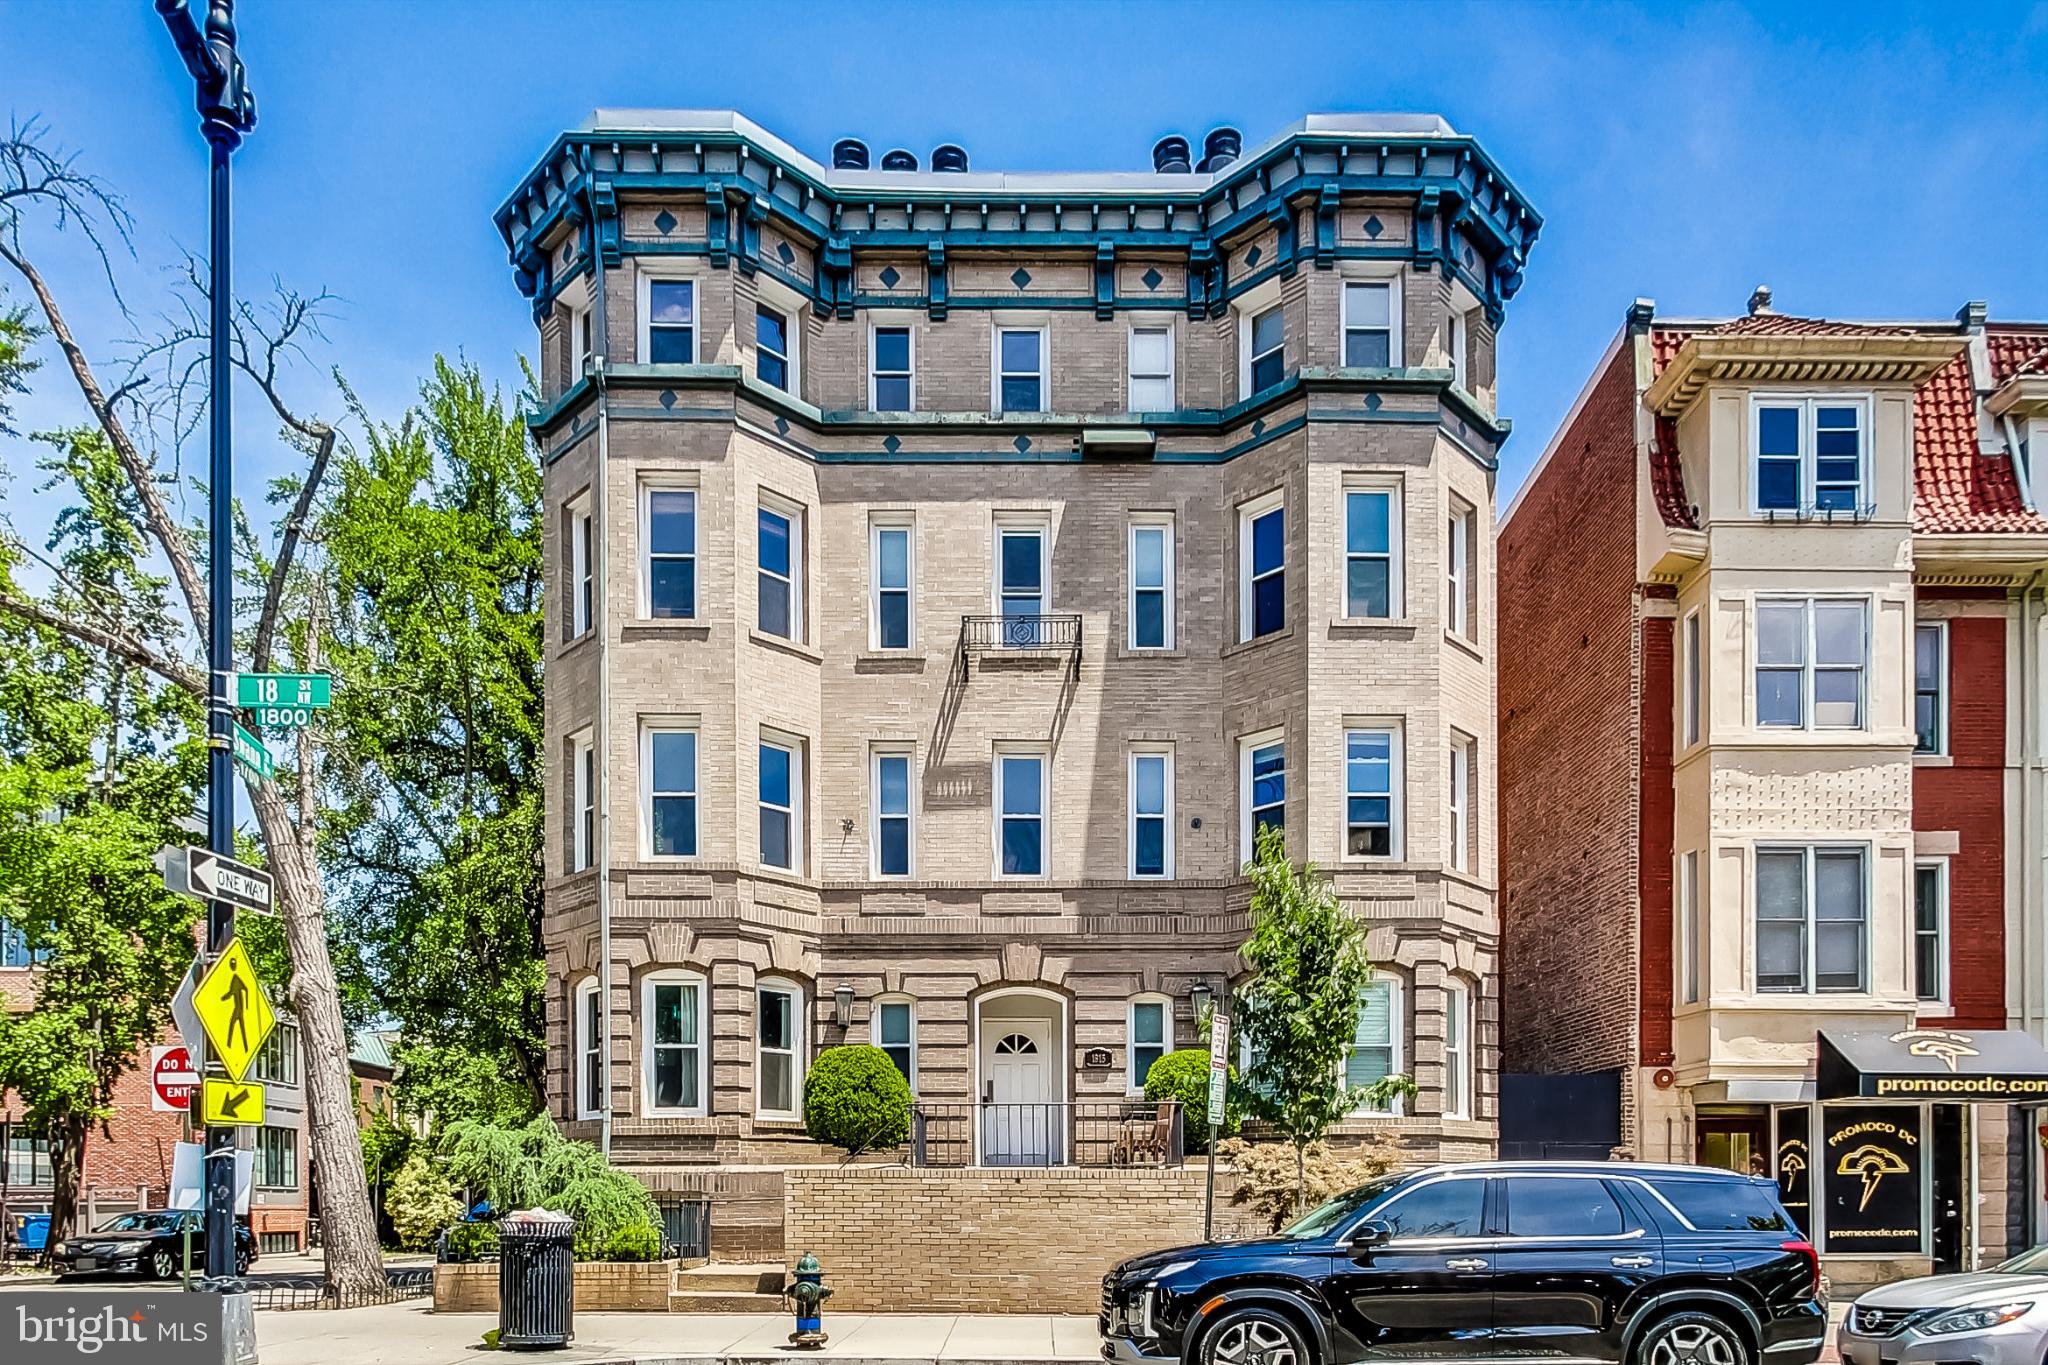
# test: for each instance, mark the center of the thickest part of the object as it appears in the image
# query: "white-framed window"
(1812, 918)
(277, 1158)
(1457, 338)
(1930, 930)
(668, 320)
(1151, 805)
(1262, 566)
(1150, 604)
(1458, 571)
(1688, 928)
(1372, 791)
(1371, 315)
(1261, 788)
(893, 804)
(1020, 370)
(582, 584)
(1376, 1041)
(668, 560)
(1022, 781)
(1372, 550)
(1458, 783)
(278, 1059)
(1263, 337)
(781, 799)
(672, 1033)
(1023, 572)
(591, 1073)
(668, 789)
(1458, 1050)
(778, 1049)
(893, 1028)
(775, 343)
(779, 560)
(1930, 687)
(1150, 353)
(581, 352)
(891, 565)
(1148, 1036)
(1810, 655)
(892, 372)
(1692, 664)
(1807, 454)
(583, 802)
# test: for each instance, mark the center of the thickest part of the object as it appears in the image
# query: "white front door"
(1020, 1125)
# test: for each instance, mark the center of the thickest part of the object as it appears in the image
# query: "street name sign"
(203, 873)
(231, 1102)
(172, 1079)
(286, 700)
(1219, 1066)
(234, 1010)
(250, 753)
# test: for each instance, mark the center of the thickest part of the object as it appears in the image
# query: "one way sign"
(203, 873)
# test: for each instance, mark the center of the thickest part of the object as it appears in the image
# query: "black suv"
(1563, 1263)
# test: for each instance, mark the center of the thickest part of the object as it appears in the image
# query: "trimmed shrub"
(633, 1242)
(1184, 1076)
(856, 1099)
(420, 1201)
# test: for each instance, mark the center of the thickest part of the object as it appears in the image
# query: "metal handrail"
(1054, 631)
(1096, 1133)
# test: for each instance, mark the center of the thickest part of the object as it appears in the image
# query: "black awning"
(1994, 1065)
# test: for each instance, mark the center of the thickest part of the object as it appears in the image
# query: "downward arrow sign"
(232, 1105)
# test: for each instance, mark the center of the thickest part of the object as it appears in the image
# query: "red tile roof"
(1956, 488)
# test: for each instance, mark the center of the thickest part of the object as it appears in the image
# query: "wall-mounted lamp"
(1198, 997)
(842, 1004)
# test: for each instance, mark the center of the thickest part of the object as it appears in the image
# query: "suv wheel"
(1254, 1336)
(1691, 1338)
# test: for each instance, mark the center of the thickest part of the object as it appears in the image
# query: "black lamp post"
(226, 111)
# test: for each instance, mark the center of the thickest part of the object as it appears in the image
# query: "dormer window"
(1808, 455)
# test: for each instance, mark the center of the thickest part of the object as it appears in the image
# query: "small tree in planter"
(1298, 1014)
(856, 1100)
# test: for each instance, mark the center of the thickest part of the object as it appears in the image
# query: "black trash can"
(536, 1279)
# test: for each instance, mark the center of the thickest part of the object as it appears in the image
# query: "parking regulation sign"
(173, 1080)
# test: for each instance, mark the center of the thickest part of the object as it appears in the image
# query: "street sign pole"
(227, 110)
(1219, 1094)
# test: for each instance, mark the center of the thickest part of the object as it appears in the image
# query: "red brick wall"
(1968, 797)
(1568, 767)
(1654, 839)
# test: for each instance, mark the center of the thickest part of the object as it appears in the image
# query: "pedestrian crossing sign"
(234, 1010)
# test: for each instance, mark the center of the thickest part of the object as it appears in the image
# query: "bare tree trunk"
(347, 1228)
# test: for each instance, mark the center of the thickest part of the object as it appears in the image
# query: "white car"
(1994, 1317)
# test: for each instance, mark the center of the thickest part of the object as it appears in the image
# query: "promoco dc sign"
(113, 1329)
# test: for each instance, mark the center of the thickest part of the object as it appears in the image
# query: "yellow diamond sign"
(233, 1010)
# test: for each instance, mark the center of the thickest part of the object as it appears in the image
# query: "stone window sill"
(1258, 641)
(889, 661)
(657, 628)
(1369, 626)
(785, 646)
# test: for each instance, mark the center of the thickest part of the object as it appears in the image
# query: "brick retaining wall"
(600, 1287)
(907, 1240)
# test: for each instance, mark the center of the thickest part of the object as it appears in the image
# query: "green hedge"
(1184, 1076)
(856, 1099)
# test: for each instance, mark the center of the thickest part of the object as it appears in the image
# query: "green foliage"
(1299, 1012)
(1277, 1180)
(472, 1241)
(421, 1201)
(534, 1166)
(432, 844)
(1184, 1076)
(856, 1099)
(634, 1242)
(17, 335)
(604, 1205)
(386, 1146)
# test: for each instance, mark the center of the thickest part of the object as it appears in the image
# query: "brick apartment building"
(950, 570)
(128, 1166)
(1770, 766)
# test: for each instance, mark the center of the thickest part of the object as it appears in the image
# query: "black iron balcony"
(1137, 1133)
(1028, 635)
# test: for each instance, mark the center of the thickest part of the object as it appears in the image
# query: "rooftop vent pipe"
(947, 157)
(899, 160)
(1170, 155)
(1220, 148)
(849, 154)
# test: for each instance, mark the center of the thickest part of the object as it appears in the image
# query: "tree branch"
(294, 527)
(118, 643)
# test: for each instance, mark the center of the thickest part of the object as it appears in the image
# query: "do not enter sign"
(173, 1079)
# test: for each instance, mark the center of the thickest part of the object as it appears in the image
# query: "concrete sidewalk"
(411, 1333)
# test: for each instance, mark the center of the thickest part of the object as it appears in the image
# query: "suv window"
(1539, 1207)
(1725, 1205)
(1442, 1208)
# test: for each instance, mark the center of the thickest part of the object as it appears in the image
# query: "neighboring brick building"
(946, 570)
(1769, 604)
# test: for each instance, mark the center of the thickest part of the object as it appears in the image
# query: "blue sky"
(1864, 160)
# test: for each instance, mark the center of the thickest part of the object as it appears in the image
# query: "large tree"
(432, 551)
(144, 419)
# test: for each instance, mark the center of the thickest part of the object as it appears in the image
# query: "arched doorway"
(1021, 1077)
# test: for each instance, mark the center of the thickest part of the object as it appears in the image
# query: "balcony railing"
(1085, 1133)
(1036, 631)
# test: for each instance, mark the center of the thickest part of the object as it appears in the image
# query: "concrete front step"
(758, 1278)
(722, 1301)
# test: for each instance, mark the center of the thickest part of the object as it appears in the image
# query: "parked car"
(148, 1242)
(1994, 1317)
(1579, 1262)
